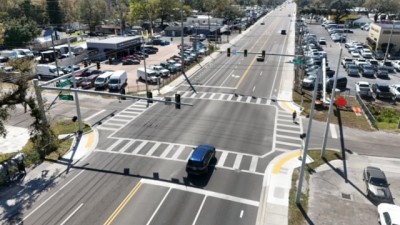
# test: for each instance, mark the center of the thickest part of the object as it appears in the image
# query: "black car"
(367, 70)
(382, 72)
(199, 161)
(381, 91)
(151, 48)
(130, 62)
(149, 51)
(377, 186)
(378, 55)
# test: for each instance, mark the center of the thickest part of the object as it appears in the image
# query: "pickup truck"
(363, 88)
(160, 71)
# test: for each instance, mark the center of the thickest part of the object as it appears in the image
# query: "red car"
(88, 82)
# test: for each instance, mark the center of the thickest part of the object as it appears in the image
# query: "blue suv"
(200, 159)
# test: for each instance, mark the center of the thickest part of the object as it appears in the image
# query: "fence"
(370, 117)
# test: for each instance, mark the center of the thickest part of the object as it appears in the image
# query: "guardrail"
(370, 117)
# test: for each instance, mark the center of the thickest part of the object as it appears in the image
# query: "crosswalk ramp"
(225, 97)
(125, 116)
(287, 133)
(178, 152)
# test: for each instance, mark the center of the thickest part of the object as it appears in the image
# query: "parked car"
(355, 54)
(395, 90)
(365, 27)
(381, 91)
(377, 186)
(346, 60)
(367, 70)
(379, 55)
(130, 62)
(366, 53)
(352, 69)
(382, 72)
(200, 160)
(394, 56)
(68, 69)
(363, 88)
(388, 65)
(374, 63)
(388, 214)
(322, 41)
(396, 65)
(88, 82)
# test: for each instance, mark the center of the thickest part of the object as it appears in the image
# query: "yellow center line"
(279, 164)
(123, 204)
(90, 140)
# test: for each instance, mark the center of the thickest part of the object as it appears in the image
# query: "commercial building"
(379, 34)
(114, 47)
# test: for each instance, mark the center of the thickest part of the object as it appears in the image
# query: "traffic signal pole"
(78, 109)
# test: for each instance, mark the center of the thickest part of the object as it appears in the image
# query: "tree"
(147, 11)
(19, 32)
(54, 12)
(92, 12)
(383, 6)
(340, 8)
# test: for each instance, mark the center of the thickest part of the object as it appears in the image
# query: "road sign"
(298, 61)
(341, 102)
(66, 97)
(64, 83)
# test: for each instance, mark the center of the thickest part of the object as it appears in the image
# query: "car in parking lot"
(363, 88)
(88, 82)
(68, 69)
(381, 91)
(346, 60)
(389, 65)
(200, 160)
(130, 62)
(355, 54)
(379, 55)
(377, 186)
(388, 214)
(374, 63)
(322, 41)
(395, 90)
(352, 69)
(367, 70)
(382, 72)
(396, 65)
(366, 53)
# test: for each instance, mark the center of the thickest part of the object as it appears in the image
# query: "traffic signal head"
(85, 64)
(245, 53)
(263, 54)
(178, 101)
(150, 97)
(228, 52)
(98, 65)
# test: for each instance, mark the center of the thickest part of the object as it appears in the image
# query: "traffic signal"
(98, 65)
(263, 54)
(149, 97)
(228, 52)
(177, 101)
(85, 64)
(245, 53)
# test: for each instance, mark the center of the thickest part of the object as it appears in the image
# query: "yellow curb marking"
(123, 204)
(279, 164)
(90, 140)
(285, 105)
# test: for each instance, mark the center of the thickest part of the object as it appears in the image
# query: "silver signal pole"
(78, 109)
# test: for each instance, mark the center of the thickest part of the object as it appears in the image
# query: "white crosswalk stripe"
(287, 133)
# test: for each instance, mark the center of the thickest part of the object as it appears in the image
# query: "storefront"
(114, 47)
(379, 35)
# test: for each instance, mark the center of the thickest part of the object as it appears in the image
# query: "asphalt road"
(137, 174)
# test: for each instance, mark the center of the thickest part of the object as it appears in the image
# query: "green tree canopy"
(54, 12)
(19, 32)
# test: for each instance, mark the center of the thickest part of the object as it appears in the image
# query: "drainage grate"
(346, 196)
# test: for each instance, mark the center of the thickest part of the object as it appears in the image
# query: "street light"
(387, 47)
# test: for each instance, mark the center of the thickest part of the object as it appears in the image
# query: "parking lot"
(333, 52)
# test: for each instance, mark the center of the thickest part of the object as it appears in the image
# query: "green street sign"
(66, 97)
(64, 83)
(298, 61)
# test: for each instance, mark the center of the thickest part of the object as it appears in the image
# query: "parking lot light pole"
(387, 47)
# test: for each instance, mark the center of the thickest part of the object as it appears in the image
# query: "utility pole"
(387, 47)
(54, 50)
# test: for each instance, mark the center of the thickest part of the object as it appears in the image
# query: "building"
(114, 47)
(379, 34)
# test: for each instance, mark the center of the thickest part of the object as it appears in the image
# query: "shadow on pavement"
(304, 213)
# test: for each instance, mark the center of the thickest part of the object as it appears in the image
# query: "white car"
(366, 53)
(395, 90)
(363, 88)
(355, 54)
(396, 65)
(389, 214)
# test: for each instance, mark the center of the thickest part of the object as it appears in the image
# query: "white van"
(118, 80)
(47, 71)
(9, 54)
(101, 81)
(151, 75)
(24, 53)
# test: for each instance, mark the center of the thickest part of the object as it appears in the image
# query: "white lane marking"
(288, 125)
(185, 95)
(261, 73)
(166, 151)
(158, 207)
(221, 97)
(201, 192)
(66, 219)
(288, 144)
(254, 88)
(178, 152)
(258, 101)
(287, 131)
(117, 142)
(268, 102)
(222, 159)
(230, 74)
(90, 117)
(212, 95)
(55, 193)
(239, 98)
(248, 99)
(138, 148)
(241, 214)
(193, 95)
(230, 97)
(288, 137)
(238, 160)
(332, 127)
(253, 164)
(203, 95)
(198, 212)
(127, 146)
(153, 149)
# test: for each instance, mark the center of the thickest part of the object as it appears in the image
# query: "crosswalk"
(180, 152)
(226, 97)
(287, 133)
(121, 119)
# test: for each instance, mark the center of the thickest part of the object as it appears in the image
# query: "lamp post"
(387, 47)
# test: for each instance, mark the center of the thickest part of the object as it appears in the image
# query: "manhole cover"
(346, 196)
